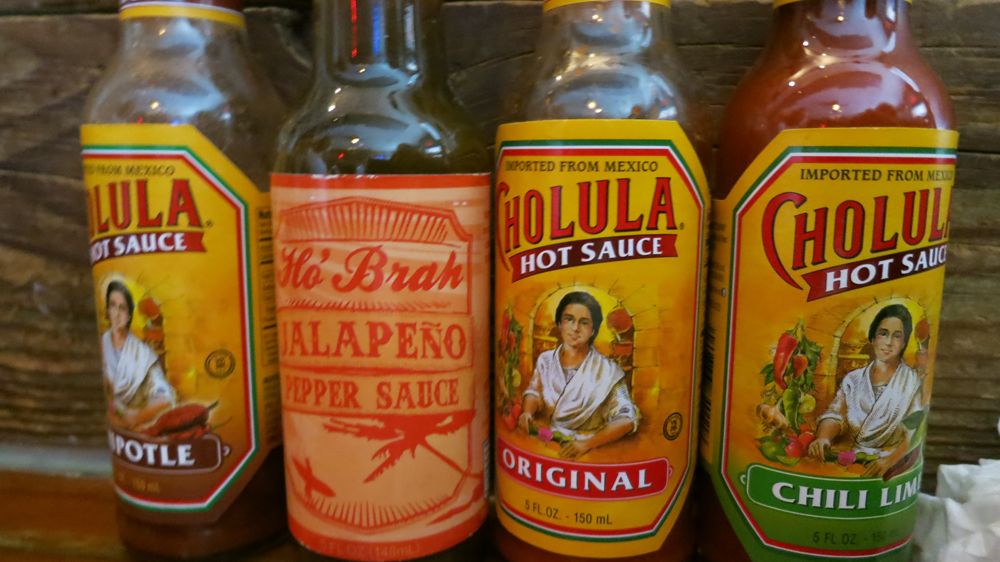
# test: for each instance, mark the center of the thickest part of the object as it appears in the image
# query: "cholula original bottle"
(381, 226)
(175, 158)
(602, 211)
(831, 232)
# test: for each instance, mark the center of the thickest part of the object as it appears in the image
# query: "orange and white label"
(181, 257)
(828, 265)
(382, 295)
(599, 270)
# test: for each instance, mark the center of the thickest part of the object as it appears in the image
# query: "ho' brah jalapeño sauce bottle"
(381, 222)
(829, 240)
(602, 209)
(175, 155)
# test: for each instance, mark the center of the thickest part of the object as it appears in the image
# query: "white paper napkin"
(961, 523)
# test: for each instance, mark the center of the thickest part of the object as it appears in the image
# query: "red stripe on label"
(587, 252)
(603, 482)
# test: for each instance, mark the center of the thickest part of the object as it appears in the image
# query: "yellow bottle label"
(553, 4)
(383, 307)
(181, 257)
(599, 272)
(223, 11)
(824, 308)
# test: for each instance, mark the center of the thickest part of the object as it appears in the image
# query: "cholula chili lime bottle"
(381, 225)
(602, 211)
(831, 232)
(175, 155)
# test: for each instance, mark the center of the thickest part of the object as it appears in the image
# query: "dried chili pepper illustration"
(181, 419)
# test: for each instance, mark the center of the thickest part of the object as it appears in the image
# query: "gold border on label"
(553, 4)
(176, 10)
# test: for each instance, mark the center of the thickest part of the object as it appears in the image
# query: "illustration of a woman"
(138, 388)
(581, 392)
(872, 401)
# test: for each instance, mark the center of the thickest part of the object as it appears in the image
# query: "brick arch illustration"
(625, 332)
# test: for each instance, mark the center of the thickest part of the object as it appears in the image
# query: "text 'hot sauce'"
(181, 256)
(601, 216)
(598, 291)
(829, 244)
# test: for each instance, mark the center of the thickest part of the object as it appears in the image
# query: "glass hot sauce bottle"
(602, 210)
(381, 219)
(834, 176)
(176, 148)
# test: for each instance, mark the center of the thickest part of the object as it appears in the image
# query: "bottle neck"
(841, 28)
(614, 27)
(183, 28)
(379, 42)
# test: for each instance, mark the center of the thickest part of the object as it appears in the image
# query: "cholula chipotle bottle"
(175, 154)
(835, 175)
(602, 213)
(381, 222)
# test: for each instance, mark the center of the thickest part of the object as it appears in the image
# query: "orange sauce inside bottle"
(827, 63)
(643, 80)
(175, 67)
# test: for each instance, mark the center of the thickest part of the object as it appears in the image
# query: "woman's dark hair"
(893, 311)
(580, 297)
(119, 287)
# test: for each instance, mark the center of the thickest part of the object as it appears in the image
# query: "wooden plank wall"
(52, 51)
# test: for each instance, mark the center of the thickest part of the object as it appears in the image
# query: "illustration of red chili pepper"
(149, 308)
(152, 334)
(189, 434)
(922, 330)
(619, 320)
(782, 353)
(181, 418)
(799, 364)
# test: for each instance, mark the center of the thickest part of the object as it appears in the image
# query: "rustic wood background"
(52, 52)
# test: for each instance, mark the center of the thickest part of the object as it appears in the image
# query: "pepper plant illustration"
(405, 434)
(509, 398)
(509, 355)
(152, 331)
(916, 422)
(788, 397)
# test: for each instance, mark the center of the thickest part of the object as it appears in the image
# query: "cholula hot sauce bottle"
(175, 155)
(381, 225)
(829, 240)
(601, 217)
